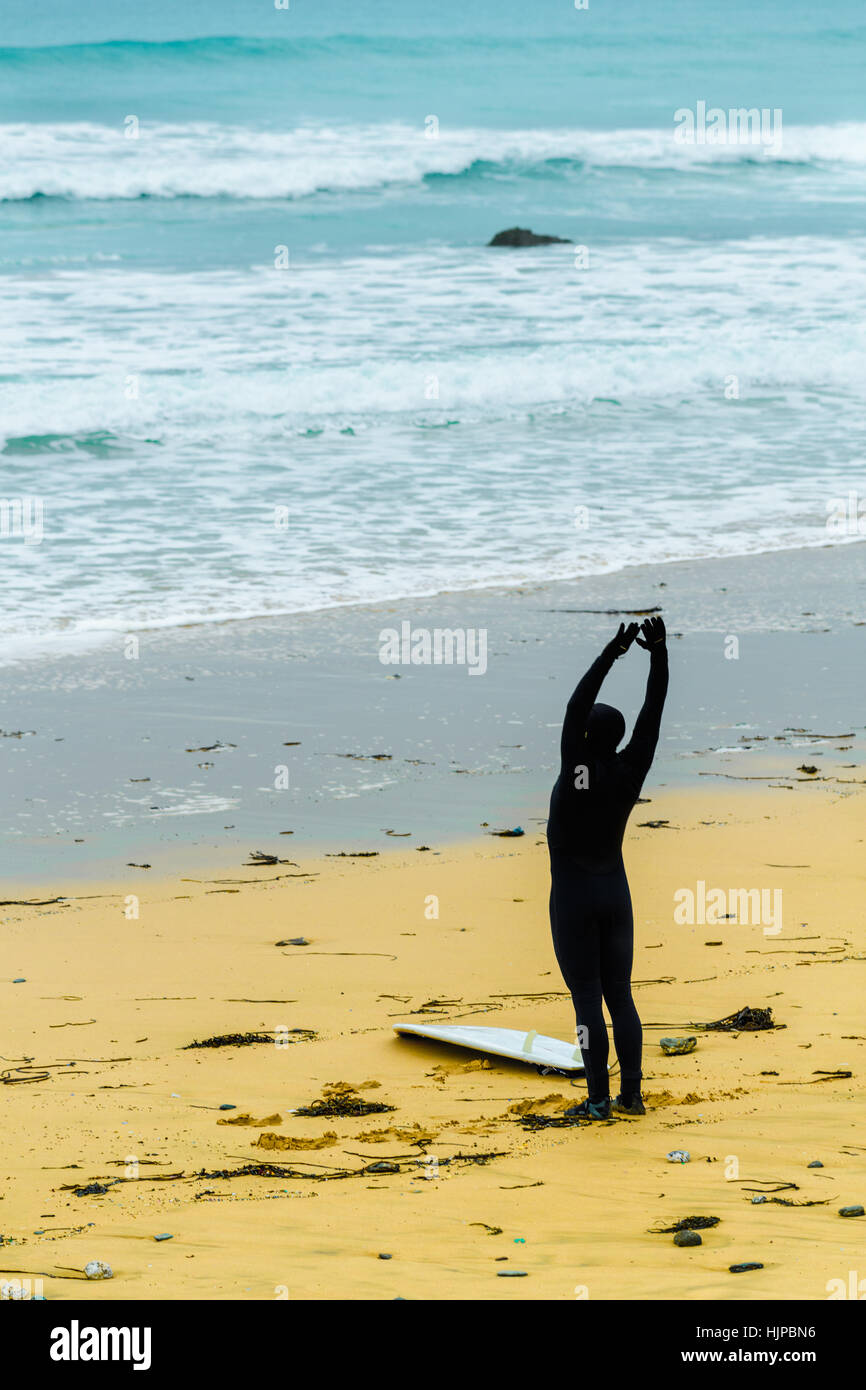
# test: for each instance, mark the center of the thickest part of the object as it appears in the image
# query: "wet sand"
(211, 741)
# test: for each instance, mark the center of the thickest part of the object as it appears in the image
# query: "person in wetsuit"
(590, 903)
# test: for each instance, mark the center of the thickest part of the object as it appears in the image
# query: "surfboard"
(535, 1048)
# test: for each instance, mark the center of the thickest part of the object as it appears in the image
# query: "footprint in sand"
(442, 1072)
(413, 1134)
(248, 1120)
(287, 1141)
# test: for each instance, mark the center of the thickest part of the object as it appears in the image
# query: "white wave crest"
(207, 160)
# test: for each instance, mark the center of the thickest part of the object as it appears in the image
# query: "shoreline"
(92, 642)
(216, 742)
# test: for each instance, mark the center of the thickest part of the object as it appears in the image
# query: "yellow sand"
(574, 1206)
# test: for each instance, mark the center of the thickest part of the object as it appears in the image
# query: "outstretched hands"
(654, 634)
(654, 637)
(620, 643)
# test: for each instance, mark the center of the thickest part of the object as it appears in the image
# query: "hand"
(654, 635)
(619, 645)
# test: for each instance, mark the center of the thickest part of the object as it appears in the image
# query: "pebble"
(679, 1156)
(674, 1047)
(164, 1236)
(511, 1274)
(851, 1211)
(98, 1269)
(741, 1269)
(386, 1257)
(816, 1163)
(228, 1107)
(687, 1238)
(760, 1198)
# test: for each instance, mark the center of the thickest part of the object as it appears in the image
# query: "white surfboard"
(532, 1047)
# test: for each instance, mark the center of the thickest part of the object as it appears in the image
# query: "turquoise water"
(255, 355)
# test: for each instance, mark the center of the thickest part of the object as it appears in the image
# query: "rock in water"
(674, 1047)
(522, 236)
(687, 1238)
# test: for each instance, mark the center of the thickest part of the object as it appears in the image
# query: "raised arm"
(640, 750)
(585, 694)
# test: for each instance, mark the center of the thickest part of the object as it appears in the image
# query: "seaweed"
(788, 1202)
(232, 1040)
(344, 1104)
(534, 1122)
(93, 1189)
(41, 1072)
(376, 1169)
(688, 1223)
(746, 1020)
(247, 1039)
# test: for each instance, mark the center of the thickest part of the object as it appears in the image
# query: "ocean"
(256, 356)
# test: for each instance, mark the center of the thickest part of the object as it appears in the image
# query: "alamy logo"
(24, 1290)
(856, 1288)
(846, 516)
(77, 1343)
(741, 125)
(21, 518)
(756, 907)
(439, 646)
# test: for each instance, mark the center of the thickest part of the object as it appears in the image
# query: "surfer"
(590, 904)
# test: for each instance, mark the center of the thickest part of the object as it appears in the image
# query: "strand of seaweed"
(247, 1039)
(386, 955)
(688, 1223)
(43, 1072)
(819, 1074)
(437, 1007)
(330, 1173)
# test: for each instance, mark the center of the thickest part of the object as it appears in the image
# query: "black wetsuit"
(590, 903)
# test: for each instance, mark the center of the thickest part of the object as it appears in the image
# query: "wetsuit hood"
(605, 729)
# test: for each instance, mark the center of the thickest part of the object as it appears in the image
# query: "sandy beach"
(105, 1095)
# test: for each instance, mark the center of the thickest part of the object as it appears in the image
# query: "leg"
(576, 941)
(616, 966)
(593, 1034)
